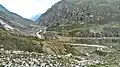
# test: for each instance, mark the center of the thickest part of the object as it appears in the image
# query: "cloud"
(28, 8)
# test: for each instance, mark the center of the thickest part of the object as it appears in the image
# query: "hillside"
(14, 17)
(11, 41)
(87, 26)
(23, 49)
(88, 11)
(24, 26)
(76, 33)
(86, 15)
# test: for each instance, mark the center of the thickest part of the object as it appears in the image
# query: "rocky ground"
(10, 58)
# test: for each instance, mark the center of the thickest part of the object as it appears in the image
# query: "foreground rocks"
(9, 58)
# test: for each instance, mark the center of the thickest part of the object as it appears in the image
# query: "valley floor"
(27, 51)
(32, 59)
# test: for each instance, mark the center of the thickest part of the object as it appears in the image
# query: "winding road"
(40, 32)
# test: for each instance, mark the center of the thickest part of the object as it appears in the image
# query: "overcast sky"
(28, 8)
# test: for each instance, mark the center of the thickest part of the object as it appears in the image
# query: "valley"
(72, 33)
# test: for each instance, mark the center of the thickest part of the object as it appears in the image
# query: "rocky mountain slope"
(14, 17)
(81, 25)
(88, 11)
(20, 24)
(83, 16)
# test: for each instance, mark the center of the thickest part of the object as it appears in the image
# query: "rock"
(79, 10)
(59, 57)
(69, 55)
(33, 59)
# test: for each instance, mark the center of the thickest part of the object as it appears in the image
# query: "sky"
(28, 8)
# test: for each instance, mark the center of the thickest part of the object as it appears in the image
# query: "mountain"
(34, 18)
(14, 16)
(78, 33)
(88, 11)
(83, 17)
(86, 22)
(23, 25)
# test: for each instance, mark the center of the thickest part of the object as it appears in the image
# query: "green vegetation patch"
(10, 41)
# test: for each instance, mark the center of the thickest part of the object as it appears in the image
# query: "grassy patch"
(12, 41)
